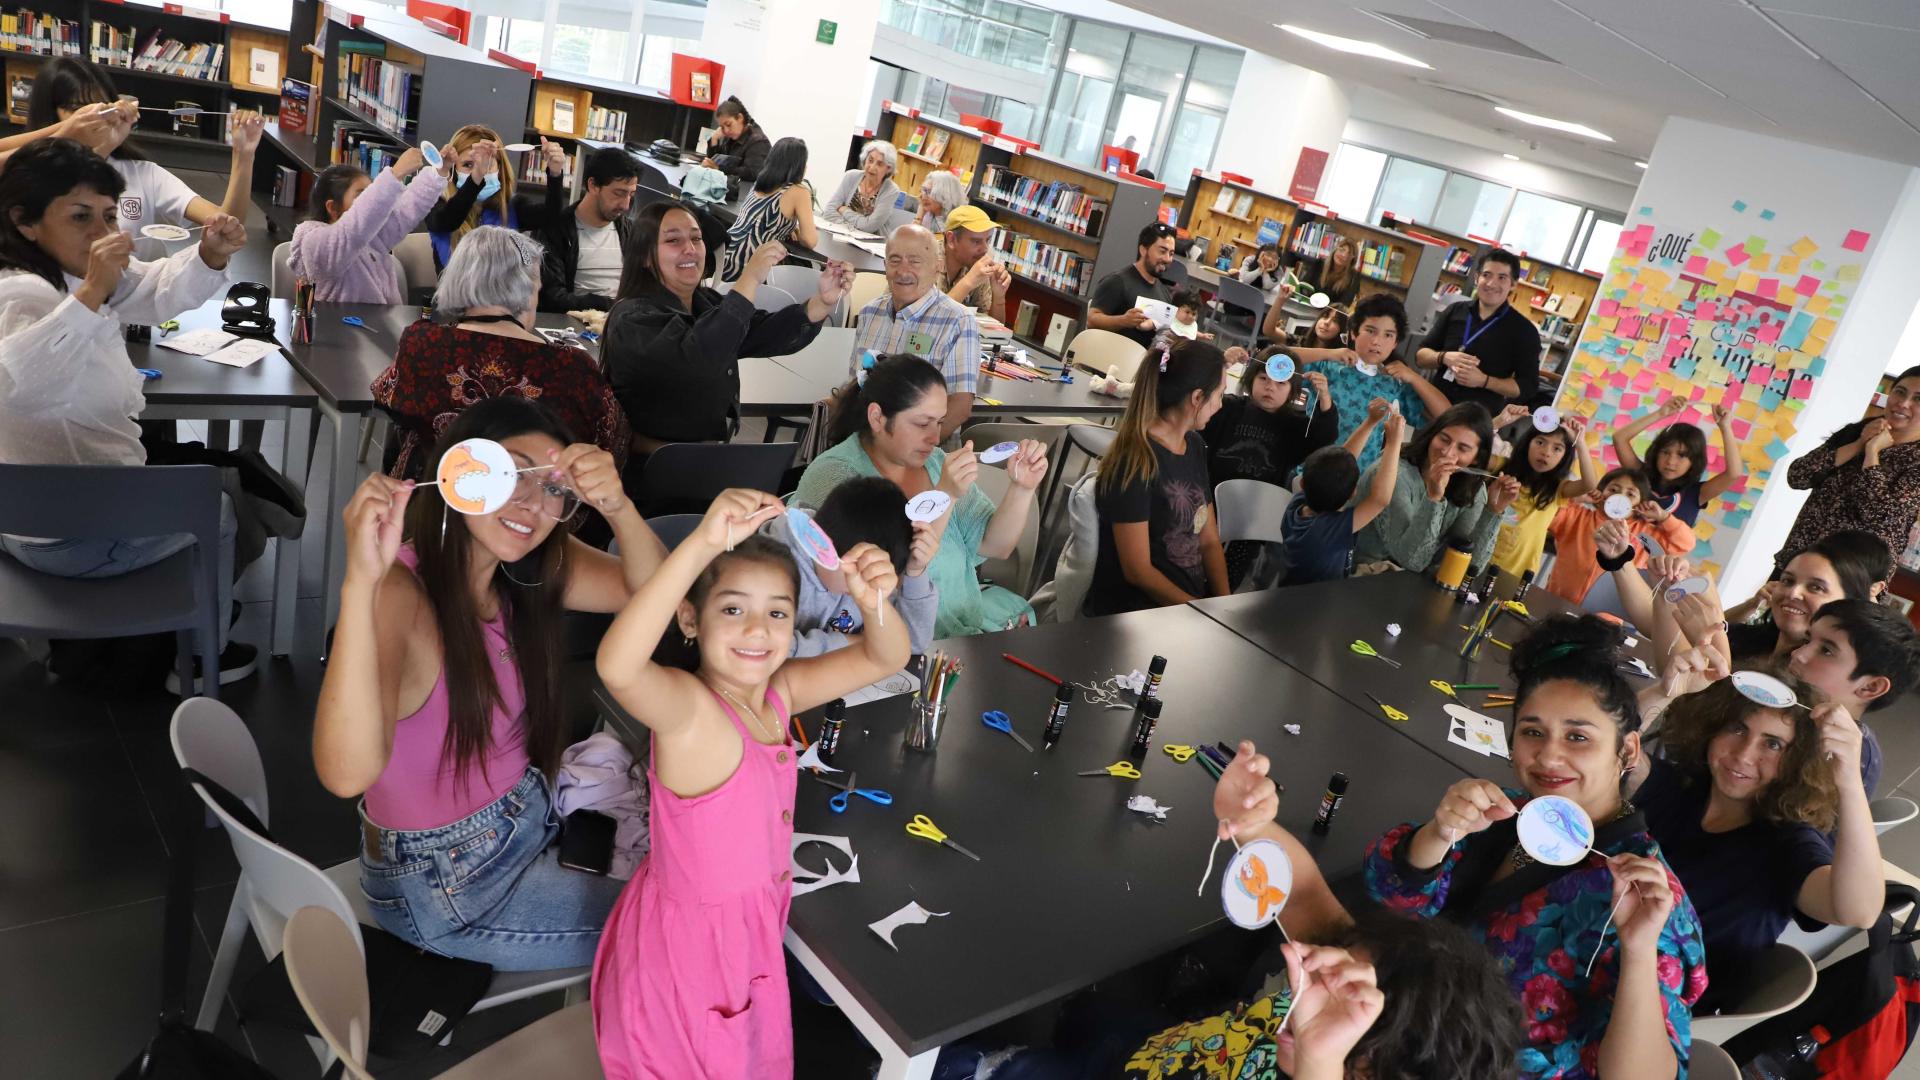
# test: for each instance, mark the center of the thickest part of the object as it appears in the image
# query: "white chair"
(1012, 572)
(771, 297)
(415, 254)
(867, 287)
(1250, 510)
(211, 739)
(1892, 812)
(1098, 350)
(329, 976)
(1781, 978)
(1708, 1062)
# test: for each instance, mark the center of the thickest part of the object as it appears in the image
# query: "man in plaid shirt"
(916, 318)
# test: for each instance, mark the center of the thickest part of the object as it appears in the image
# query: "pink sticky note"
(1643, 381)
(1731, 397)
(1801, 390)
(1761, 373)
(1807, 285)
(1607, 308)
(1768, 333)
(1708, 311)
(1769, 288)
(1629, 401)
(1596, 391)
(1737, 254)
(1675, 346)
(1741, 428)
(1696, 392)
(1697, 264)
(1856, 240)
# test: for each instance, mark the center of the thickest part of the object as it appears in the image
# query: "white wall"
(1277, 109)
(1527, 175)
(792, 84)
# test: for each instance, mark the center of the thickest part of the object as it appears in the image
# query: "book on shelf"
(296, 106)
(533, 170)
(1058, 203)
(1571, 303)
(1458, 260)
(1223, 202)
(1037, 260)
(370, 150)
(606, 125)
(43, 35)
(292, 187)
(19, 91)
(152, 51)
(563, 116)
(1313, 239)
(700, 87)
(383, 91)
(917, 139)
(1243, 204)
(1024, 319)
(1269, 233)
(936, 147)
(1553, 302)
(1058, 327)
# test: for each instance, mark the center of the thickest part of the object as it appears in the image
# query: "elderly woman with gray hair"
(481, 344)
(940, 193)
(867, 196)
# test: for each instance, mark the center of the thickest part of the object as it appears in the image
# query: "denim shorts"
(488, 887)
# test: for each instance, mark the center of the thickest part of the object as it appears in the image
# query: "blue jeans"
(488, 887)
(112, 558)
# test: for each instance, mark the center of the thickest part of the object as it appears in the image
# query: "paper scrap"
(833, 875)
(1393, 629)
(197, 342)
(1145, 804)
(1477, 732)
(1291, 729)
(900, 682)
(911, 915)
(242, 353)
(811, 759)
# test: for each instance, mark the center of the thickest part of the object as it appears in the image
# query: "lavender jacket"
(348, 261)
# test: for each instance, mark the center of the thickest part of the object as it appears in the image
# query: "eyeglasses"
(545, 494)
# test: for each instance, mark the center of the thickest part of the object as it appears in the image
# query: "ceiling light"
(1639, 164)
(1511, 157)
(1353, 45)
(1549, 122)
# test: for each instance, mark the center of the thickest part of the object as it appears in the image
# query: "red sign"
(1307, 173)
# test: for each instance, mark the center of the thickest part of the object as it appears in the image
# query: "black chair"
(1175, 274)
(673, 528)
(118, 502)
(683, 478)
(1240, 297)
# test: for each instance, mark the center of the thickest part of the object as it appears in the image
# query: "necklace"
(741, 705)
(1521, 860)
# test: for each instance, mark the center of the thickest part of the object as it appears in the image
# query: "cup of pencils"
(929, 715)
(303, 293)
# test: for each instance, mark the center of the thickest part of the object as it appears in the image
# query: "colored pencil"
(1017, 662)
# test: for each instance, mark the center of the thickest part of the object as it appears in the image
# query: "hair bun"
(1578, 640)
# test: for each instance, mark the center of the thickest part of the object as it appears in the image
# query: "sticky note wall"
(1736, 312)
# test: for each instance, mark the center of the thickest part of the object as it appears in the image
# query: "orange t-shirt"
(1576, 562)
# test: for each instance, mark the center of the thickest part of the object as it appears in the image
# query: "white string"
(1294, 1002)
(1211, 852)
(1603, 934)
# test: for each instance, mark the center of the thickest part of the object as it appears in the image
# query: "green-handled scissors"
(1365, 649)
(1122, 769)
(1180, 753)
(923, 827)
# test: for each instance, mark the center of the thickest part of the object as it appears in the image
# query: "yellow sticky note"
(1717, 271)
(1748, 282)
(1703, 530)
(1817, 305)
(1650, 331)
(1789, 264)
(1760, 262)
(1655, 281)
(1848, 274)
(1822, 328)
(1804, 247)
(1750, 392)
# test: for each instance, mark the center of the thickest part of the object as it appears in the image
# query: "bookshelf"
(629, 114)
(1227, 213)
(958, 152)
(1171, 206)
(402, 81)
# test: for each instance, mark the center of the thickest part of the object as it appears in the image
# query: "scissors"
(1444, 687)
(1365, 649)
(1122, 769)
(354, 320)
(1000, 721)
(148, 373)
(838, 803)
(1391, 713)
(923, 827)
(1182, 754)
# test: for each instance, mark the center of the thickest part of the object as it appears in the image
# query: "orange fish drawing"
(1253, 882)
(458, 465)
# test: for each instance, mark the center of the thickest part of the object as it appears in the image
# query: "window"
(1350, 184)
(1471, 207)
(1076, 124)
(583, 50)
(1600, 244)
(1196, 131)
(656, 58)
(1152, 78)
(1409, 191)
(1540, 226)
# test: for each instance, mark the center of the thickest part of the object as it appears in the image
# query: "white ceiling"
(1806, 70)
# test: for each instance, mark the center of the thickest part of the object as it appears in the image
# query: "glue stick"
(1057, 717)
(830, 729)
(1155, 670)
(1526, 582)
(1143, 727)
(1330, 802)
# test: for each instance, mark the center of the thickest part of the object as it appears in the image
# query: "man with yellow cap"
(968, 270)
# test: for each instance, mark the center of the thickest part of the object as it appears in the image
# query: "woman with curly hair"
(1762, 814)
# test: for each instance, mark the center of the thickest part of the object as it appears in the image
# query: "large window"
(1540, 226)
(1471, 206)
(1077, 121)
(1151, 80)
(1409, 191)
(1602, 238)
(1351, 183)
(1196, 131)
(583, 50)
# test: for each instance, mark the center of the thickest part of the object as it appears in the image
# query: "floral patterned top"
(1883, 500)
(1542, 924)
(439, 370)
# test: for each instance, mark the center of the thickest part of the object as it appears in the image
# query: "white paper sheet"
(242, 353)
(196, 342)
(833, 875)
(1477, 732)
(900, 682)
(911, 915)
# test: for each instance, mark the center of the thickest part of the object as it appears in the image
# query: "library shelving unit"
(1226, 212)
(927, 143)
(587, 113)
(1558, 299)
(1456, 265)
(166, 55)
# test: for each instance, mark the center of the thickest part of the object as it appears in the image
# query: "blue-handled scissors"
(1000, 721)
(354, 320)
(148, 373)
(838, 803)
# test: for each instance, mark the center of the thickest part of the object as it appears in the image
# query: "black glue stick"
(1330, 802)
(1057, 718)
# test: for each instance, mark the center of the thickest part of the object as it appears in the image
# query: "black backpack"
(1861, 1016)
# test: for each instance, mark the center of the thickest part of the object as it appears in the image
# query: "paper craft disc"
(1280, 367)
(998, 452)
(476, 476)
(1364, 368)
(1686, 587)
(1764, 689)
(1319, 300)
(928, 505)
(1555, 830)
(1258, 880)
(518, 147)
(1619, 507)
(1546, 418)
(814, 539)
(163, 232)
(430, 154)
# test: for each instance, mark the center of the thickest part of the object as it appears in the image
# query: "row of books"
(533, 170)
(1055, 267)
(151, 50)
(1057, 202)
(1534, 273)
(926, 142)
(32, 32)
(1459, 260)
(383, 91)
(606, 125)
(1380, 261)
(371, 150)
(291, 186)
(1313, 239)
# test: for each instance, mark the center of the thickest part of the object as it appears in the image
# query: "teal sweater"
(1413, 529)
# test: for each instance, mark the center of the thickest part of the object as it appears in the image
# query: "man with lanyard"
(915, 317)
(1486, 351)
(1113, 305)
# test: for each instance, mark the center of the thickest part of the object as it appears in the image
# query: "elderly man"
(968, 271)
(916, 318)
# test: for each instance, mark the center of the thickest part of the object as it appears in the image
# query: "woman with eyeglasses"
(442, 707)
(482, 345)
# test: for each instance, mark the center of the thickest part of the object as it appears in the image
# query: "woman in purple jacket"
(354, 221)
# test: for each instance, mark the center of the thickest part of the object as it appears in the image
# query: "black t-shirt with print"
(1176, 505)
(1115, 294)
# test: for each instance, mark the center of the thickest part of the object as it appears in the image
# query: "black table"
(1309, 627)
(1072, 886)
(1017, 397)
(192, 388)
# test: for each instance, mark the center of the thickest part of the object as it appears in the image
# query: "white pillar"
(1712, 198)
(793, 84)
(1277, 109)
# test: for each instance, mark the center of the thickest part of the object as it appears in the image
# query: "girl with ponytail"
(888, 425)
(1159, 542)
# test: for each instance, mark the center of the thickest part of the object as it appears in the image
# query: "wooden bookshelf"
(240, 45)
(1172, 205)
(550, 98)
(961, 155)
(1234, 226)
(1547, 280)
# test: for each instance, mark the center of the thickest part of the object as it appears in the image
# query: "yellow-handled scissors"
(1122, 769)
(923, 827)
(1365, 649)
(1444, 687)
(1182, 754)
(1389, 711)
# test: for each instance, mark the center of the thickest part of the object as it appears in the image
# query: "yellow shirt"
(1523, 535)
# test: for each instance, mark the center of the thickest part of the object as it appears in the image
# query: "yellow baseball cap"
(970, 218)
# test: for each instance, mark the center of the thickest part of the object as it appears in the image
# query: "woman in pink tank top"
(441, 706)
(690, 981)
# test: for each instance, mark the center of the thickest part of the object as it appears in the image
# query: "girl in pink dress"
(690, 980)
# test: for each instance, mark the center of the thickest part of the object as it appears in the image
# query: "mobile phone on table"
(586, 841)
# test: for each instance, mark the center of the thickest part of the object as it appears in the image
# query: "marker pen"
(1330, 802)
(1057, 717)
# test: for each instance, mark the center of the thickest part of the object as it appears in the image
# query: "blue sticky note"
(1766, 215)
(1737, 518)
(1770, 401)
(1646, 211)
(1739, 207)
(1818, 366)
(1775, 449)
(1796, 332)
(1683, 367)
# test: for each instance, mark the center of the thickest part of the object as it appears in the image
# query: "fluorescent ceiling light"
(1549, 122)
(1353, 45)
(1639, 164)
(1511, 157)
